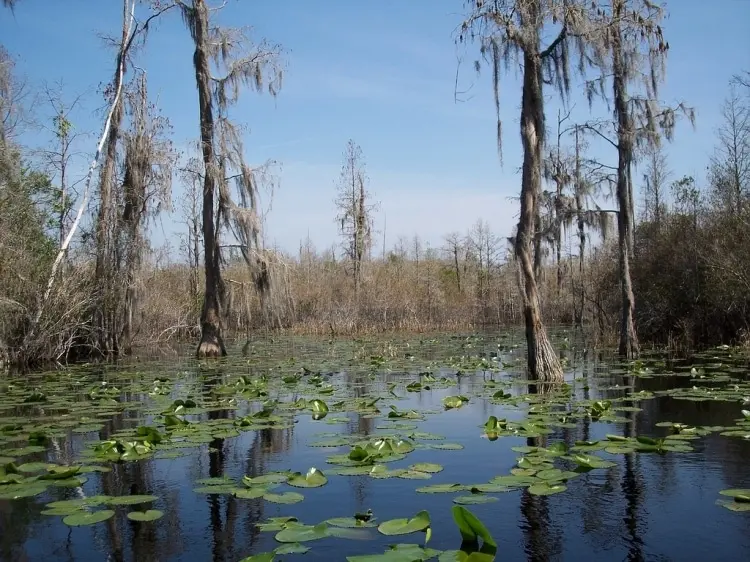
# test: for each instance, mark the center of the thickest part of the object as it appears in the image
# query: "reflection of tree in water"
(542, 540)
(363, 426)
(632, 488)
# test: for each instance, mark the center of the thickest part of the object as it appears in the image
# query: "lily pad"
(546, 489)
(88, 518)
(284, 498)
(314, 478)
(474, 499)
(130, 500)
(145, 516)
(420, 522)
(430, 467)
(296, 532)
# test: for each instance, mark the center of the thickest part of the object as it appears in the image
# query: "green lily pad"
(430, 467)
(420, 522)
(262, 557)
(314, 478)
(546, 489)
(144, 516)
(296, 532)
(292, 548)
(350, 522)
(732, 505)
(741, 495)
(270, 478)
(441, 489)
(87, 518)
(284, 498)
(130, 500)
(470, 527)
(474, 499)
(398, 553)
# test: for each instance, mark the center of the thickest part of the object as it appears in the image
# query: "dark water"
(647, 507)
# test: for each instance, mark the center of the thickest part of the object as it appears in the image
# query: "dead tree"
(354, 210)
(511, 30)
(223, 63)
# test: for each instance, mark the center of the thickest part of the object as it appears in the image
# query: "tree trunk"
(103, 272)
(628, 340)
(211, 344)
(543, 364)
(581, 237)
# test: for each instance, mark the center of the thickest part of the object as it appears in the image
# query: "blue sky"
(380, 72)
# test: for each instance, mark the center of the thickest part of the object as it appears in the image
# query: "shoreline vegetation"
(80, 280)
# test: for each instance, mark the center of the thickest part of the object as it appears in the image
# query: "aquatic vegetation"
(367, 416)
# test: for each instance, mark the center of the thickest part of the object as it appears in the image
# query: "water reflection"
(648, 507)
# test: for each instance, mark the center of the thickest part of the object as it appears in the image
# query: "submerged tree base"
(211, 344)
(546, 366)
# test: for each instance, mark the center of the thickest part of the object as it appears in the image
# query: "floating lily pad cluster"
(170, 416)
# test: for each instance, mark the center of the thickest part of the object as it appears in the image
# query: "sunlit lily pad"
(314, 478)
(88, 518)
(296, 532)
(420, 522)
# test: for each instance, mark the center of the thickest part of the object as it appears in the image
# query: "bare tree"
(59, 156)
(223, 63)
(354, 210)
(511, 30)
(455, 248)
(655, 184)
(729, 171)
(191, 175)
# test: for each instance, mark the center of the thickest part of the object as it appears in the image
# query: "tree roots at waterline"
(544, 366)
(211, 344)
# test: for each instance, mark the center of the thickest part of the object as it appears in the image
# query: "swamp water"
(314, 450)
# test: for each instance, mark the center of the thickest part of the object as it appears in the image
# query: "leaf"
(420, 522)
(250, 493)
(741, 495)
(292, 548)
(350, 522)
(454, 401)
(470, 527)
(284, 498)
(734, 505)
(84, 518)
(130, 500)
(144, 516)
(430, 467)
(275, 523)
(398, 553)
(474, 500)
(313, 479)
(262, 557)
(296, 532)
(546, 489)
(441, 489)
(270, 478)
(319, 409)
(461, 556)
